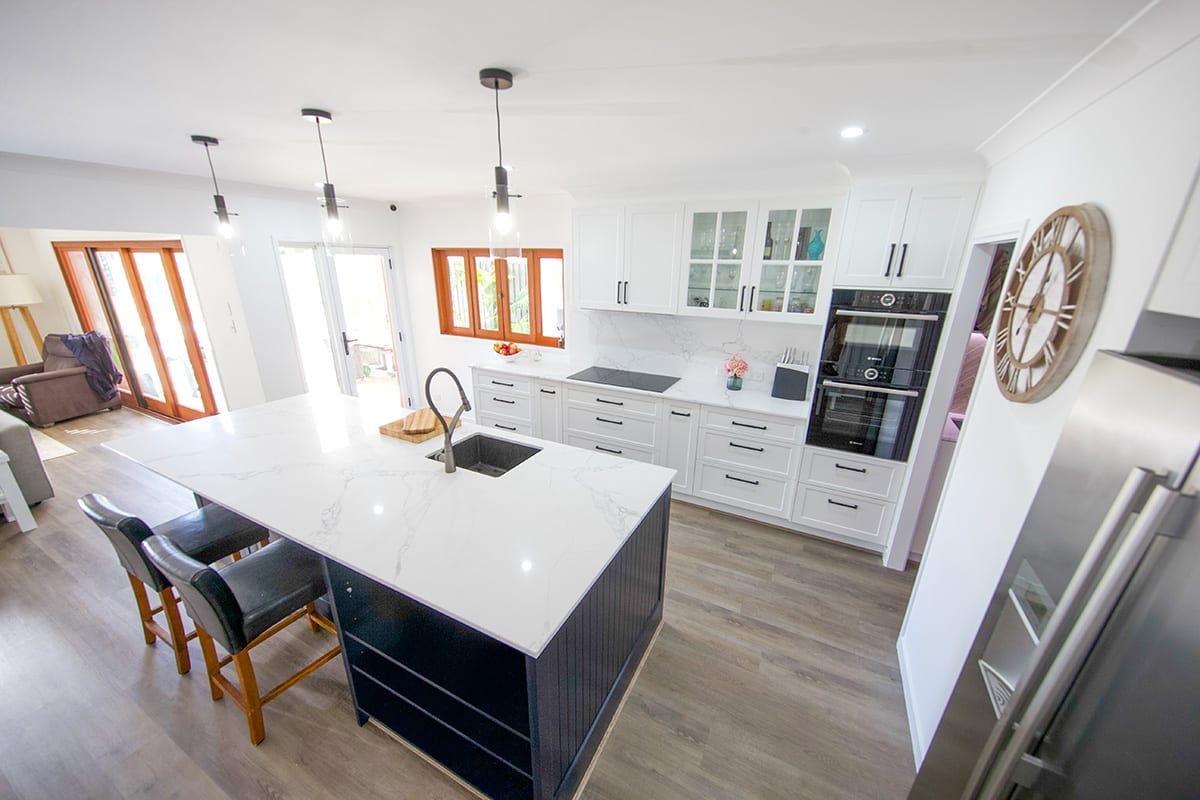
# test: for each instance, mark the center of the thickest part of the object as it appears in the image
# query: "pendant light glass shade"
(333, 223)
(503, 239)
(224, 225)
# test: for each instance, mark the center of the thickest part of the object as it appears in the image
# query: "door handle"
(346, 343)
(742, 299)
(903, 255)
(750, 306)
(747, 447)
(626, 293)
(618, 293)
(887, 273)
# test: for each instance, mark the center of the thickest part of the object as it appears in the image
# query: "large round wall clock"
(1051, 303)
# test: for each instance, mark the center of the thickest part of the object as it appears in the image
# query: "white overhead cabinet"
(627, 258)
(906, 237)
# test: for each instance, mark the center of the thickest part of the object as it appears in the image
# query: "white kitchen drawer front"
(612, 448)
(504, 404)
(848, 515)
(863, 476)
(612, 425)
(613, 401)
(744, 489)
(760, 426)
(501, 382)
(503, 424)
(754, 453)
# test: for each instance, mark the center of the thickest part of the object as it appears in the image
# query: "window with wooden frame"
(510, 299)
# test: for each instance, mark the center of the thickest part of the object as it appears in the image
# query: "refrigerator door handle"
(1065, 667)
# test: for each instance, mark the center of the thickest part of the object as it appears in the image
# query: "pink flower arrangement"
(736, 366)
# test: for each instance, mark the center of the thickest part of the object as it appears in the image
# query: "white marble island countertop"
(510, 556)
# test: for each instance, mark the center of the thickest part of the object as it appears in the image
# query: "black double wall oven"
(875, 363)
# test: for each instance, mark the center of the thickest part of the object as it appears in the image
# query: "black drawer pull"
(502, 383)
(507, 402)
(609, 450)
(903, 255)
(843, 505)
(609, 402)
(850, 469)
(547, 391)
(741, 480)
(745, 447)
(610, 421)
(747, 425)
(680, 414)
(503, 427)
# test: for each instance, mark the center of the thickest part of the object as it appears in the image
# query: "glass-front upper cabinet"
(790, 260)
(718, 258)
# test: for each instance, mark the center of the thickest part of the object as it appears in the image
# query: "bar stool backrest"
(209, 600)
(125, 532)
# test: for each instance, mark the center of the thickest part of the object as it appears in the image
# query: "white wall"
(1129, 144)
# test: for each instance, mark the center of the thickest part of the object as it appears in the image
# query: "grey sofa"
(52, 390)
(26, 464)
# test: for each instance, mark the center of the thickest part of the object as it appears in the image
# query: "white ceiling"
(609, 91)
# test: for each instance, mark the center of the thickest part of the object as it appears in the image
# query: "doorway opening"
(140, 295)
(349, 339)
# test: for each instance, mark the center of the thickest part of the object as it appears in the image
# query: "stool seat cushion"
(212, 532)
(272, 583)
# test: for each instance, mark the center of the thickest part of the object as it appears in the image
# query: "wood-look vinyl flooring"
(774, 674)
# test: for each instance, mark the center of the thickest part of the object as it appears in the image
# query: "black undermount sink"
(488, 455)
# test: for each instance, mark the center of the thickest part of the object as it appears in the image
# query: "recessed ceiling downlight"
(852, 132)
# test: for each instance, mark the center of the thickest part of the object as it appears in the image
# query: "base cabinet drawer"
(863, 476)
(743, 489)
(851, 516)
(612, 401)
(612, 425)
(746, 452)
(491, 381)
(504, 424)
(759, 426)
(588, 443)
(505, 405)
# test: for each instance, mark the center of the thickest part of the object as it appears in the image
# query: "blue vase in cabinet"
(816, 248)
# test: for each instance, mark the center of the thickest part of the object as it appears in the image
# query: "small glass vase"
(733, 383)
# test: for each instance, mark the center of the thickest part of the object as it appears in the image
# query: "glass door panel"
(733, 235)
(313, 342)
(92, 312)
(802, 294)
(550, 278)
(813, 233)
(369, 327)
(781, 228)
(789, 272)
(704, 235)
(772, 287)
(717, 260)
(699, 287)
(728, 283)
(136, 338)
(485, 288)
(172, 345)
(520, 317)
(200, 328)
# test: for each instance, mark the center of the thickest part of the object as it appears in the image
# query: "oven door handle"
(880, 389)
(848, 312)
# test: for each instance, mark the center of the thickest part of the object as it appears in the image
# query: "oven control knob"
(887, 300)
(870, 373)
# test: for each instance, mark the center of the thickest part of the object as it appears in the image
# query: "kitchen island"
(494, 623)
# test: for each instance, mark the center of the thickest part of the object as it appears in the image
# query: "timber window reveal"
(510, 299)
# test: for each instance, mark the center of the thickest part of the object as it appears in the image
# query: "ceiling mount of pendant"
(316, 114)
(205, 140)
(496, 78)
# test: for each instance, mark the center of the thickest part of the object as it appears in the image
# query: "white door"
(652, 238)
(599, 249)
(869, 251)
(935, 233)
(717, 259)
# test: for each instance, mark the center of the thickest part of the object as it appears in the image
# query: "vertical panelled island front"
(494, 623)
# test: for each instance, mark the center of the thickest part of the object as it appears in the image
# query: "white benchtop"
(753, 397)
(509, 556)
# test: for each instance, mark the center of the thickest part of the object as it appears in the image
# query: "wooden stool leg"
(254, 719)
(312, 625)
(183, 661)
(211, 665)
(143, 606)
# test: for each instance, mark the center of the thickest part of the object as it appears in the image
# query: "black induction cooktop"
(625, 379)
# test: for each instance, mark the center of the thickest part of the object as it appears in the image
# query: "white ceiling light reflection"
(526, 565)
(378, 509)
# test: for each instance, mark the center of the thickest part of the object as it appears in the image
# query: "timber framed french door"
(140, 295)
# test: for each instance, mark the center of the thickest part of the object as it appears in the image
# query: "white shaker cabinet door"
(653, 235)
(597, 260)
(683, 421)
(935, 233)
(547, 410)
(869, 251)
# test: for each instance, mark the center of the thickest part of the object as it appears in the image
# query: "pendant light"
(224, 226)
(335, 227)
(502, 233)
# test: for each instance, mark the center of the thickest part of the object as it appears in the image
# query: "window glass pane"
(165, 317)
(485, 286)
(112, 271)
(460, 309)
(520, 319)
(97, 321)
(200, 328)
(550, 271)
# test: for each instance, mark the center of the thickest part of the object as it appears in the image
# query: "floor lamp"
(18, 291)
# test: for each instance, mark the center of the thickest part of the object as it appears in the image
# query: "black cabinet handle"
(506, 402)
(680, 414)
(747, 425)
(503, 427)
(609, 450)
(850, 469)
(903, 255)
(610, 421)
(626, 293)
(887, 273)
(745, 447)
(547, 391)
(740, 480)
(502, 383)
(618, 293)
(609, 402)
(750, 306)
(742, 299)
(843, 505)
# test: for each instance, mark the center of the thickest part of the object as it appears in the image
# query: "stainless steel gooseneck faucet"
(447, 449)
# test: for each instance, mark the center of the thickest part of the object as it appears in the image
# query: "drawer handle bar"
(680, 414)
(610, 421)
(547, 391)
(504, 427)
(746, 447)
(609, 450)
(507, 402)
(747, 425)
(740, 480)
(502, 383)
(850, 469)
(869, 389)
(843, 505)
(609, 402)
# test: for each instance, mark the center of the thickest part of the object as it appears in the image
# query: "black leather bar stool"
(241, 606)
(207, 534)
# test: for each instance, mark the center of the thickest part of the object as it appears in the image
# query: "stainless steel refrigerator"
(1084, 678)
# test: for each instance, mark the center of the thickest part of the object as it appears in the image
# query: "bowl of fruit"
(507, 351)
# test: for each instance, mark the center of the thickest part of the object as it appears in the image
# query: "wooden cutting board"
(396, 428)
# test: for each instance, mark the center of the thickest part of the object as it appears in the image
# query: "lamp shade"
(18, 290)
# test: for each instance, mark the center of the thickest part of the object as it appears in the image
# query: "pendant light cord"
(499, 144)
(321, 141)
(213, 172)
